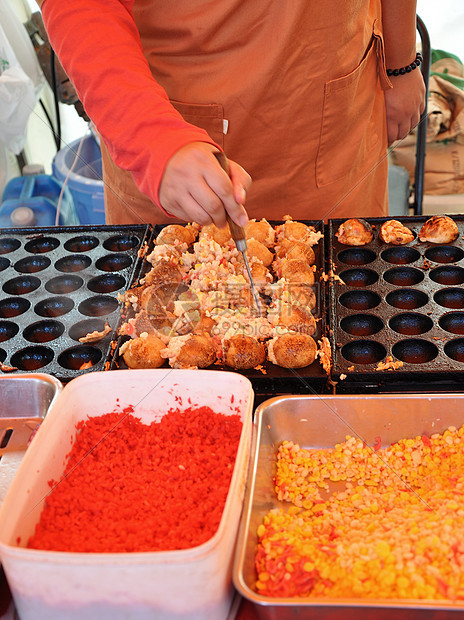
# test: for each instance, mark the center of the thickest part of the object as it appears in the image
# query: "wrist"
(397, 71)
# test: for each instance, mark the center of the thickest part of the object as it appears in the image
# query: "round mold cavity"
(13, 306)
(79, 357)
(411, 323)
(448, 276)
(62, 285)
(107, 283)
(444, 254)
(43, 331)
(120, 243)
(73, 263)
(2, 355)
(455, 349)
(32, 358)
(452, 298)
(32, 264)
(22, 285)
(400, 256)
(8, 330)
(9, 245)
(453, 322)
(363, 352)
(100, 305)
(357, 256)
(360, 300)
(81, 329)
(113, 262)
(54, 307)
(415, 351)
(84, 243)
(359, 278)
(407, 299)
(403, 276)
(4, 263)
(41, 245)
(361, 324)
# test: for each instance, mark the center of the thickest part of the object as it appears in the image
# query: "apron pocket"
(351, 123)
(207, 116)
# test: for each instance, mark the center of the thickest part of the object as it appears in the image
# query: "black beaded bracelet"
(415, 63)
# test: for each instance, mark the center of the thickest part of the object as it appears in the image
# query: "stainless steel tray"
(321, 422)
(25, 400)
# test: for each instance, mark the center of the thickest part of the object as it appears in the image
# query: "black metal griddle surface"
(57, 285)
(404, 302)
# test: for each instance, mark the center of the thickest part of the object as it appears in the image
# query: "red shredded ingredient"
(132, 487)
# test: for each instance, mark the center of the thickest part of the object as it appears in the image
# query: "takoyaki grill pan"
(404, 302)
(59, 284)
(271, 379)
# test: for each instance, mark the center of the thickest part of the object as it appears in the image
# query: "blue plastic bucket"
(85, 181)
(32, 200)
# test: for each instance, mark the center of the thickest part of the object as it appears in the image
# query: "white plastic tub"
(193, 583)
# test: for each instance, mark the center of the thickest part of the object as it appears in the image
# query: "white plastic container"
(191, 583)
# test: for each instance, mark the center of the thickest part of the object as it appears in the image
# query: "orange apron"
(290, 89)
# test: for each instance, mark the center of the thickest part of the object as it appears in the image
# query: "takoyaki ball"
(196, 351)
(439, 229)
(205, 324)
(292, 350)
(220, 235)
(243, 352)
(290, 249)
(174, 234)
(395, 233)
(142, 323)
(143, 352)
(158, 300)
(298, 295)
(355, 232)
(163, 272)
(260, 274)
(262, 231)
(256, 249)
(295, 318)
(297, 271)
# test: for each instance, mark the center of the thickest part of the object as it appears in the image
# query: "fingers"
(195, 187)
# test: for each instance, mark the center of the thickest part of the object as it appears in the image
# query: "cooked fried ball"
(292, 350)
(219, 235)
(143, 352)
(395, 233)
(355, 232)
(439, 229)
(157, 300)
(243, 352)
(197, 351)
(256, 249)
(297, 271)
(205, 324)
(176, 233)
(259, 272)
(262, 231)
(163, 272)
(295, 318)
(302, 296)
(291, 250)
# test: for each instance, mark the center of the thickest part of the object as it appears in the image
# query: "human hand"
(405, 103)
(195, 188)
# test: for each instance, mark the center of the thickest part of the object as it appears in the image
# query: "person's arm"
(406, 100)
(171, 160)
